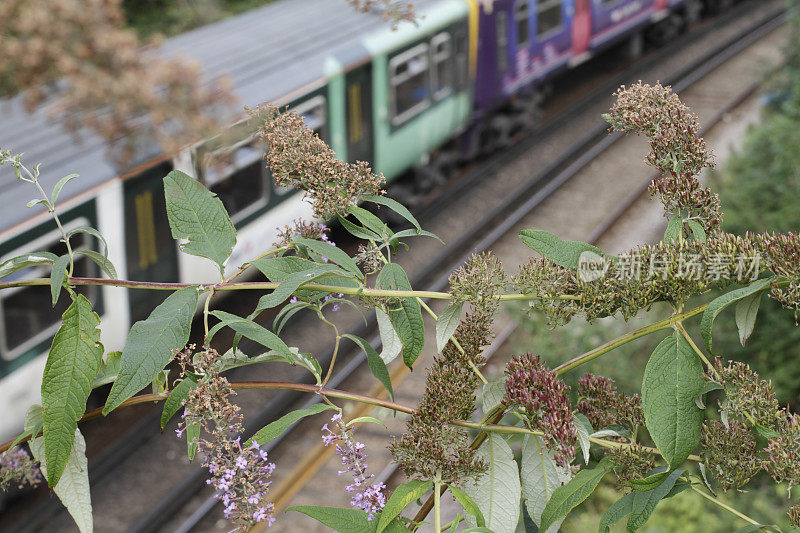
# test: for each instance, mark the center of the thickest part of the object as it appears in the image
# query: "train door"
(358, 107)
(611, 18)
(150, 249)
(553, 36)
(581, 27)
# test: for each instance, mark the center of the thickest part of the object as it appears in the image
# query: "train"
(439, 90)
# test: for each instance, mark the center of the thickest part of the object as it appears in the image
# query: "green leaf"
(100, 260)
(358, 231)
(563, 253)
(446, 324)
(569, 496)
(60, 185)
(497, 492)
(406, 314)
(674, 229)
(293, 281)
(365, 420)
(35, 202)
(73, 484)
(341, 520)
(541, 476)
(370, 221)
(584, 429)
(400, 498)
(150, 343)
(395, 206)
(697, 230)
(192, 436)
(644, 502)
(57, 277)
(673, 378)
(745, 312)
(493, 394)
(175, 399)
(376, 364)
(24, 261)
(720, 303)
(197, 215)
(94, 233)
(394, 240)
(708, 387)
(332, 253)
(618, 510)
(275, 429)
(109, 369)
(391, 345)
(254, 332)
(652, 480)
(72, 364)
(469, 506)
(235, 358)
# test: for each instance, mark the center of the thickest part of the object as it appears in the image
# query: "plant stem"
(697, 350)
(725, 506)
(437, 508)
(335, 347)
(628, 337)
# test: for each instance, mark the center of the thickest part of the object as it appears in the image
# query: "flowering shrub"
(668, 440)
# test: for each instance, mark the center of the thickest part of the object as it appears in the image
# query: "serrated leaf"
(673, 378)
(72, 364)
(376, 364)
(275, 429)
(60, 185)
(94, 233)
(332, 253)
(100, 260)
(446, 324)
(569, 496)
(395, 206)
(469, 506)
(644, 502)
(197, 215)
(109, 369)
(497, 492)
(674, 229)
(618, 510)
(342, 520)
(652, 480)
(697, 230)
(720, 303)
(406, 314)
(24, 261)
(57, 277)
(541, 476)
(370, 221)
(746, 311)
(493, 394)
(400, 498)
(293, 281)
(73, 484)
(149, 346)
(391, 345)
(584, 429)
(563, 253)
(254, 332)
(175, 399)
(358, 231)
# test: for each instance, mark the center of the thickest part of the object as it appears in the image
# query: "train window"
(355, 115)
(237, 178)
(23, 322)
(408, 77)
(521, 16)
(502, 40)
(442, 66)
(462, 57)
(548, 17)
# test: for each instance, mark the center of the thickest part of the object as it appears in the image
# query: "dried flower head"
(782, 253)
(240, 473)
(747, 397)
(676, 149)
(370, 498)
(630, 462)
(479, 281)
(543, 400)
(794, 515)
(604, 406)
(730, 453)
(392, 10)
(783, 451)
(18, 468)
(297, 157)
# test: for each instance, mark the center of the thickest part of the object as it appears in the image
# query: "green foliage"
(197, 215)
(567, 497)
(405, 314)
(561, 252)
(498, 491)
(672, 380)
(275, 429)
(346, 520)
(175, 401)
(71, 366)
(718, 304)
(401, 496)
(24, 261)
(375, 363)
(150, 344)
(541, 476)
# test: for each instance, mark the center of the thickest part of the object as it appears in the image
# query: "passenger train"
(446, 85)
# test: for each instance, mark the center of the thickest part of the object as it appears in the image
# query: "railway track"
(535, 189)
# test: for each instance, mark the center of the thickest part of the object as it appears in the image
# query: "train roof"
(272, 53)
